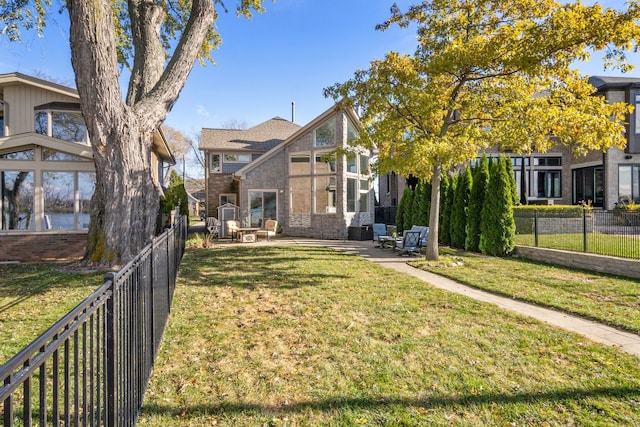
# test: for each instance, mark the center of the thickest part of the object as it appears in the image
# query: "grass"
(597, 243)
(307, 336)
(609, 299)
(34, 296)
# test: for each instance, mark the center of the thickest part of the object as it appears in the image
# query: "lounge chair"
(270, 229)
(232, 227)
(409, 243)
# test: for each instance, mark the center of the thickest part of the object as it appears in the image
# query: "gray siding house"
(279, 170)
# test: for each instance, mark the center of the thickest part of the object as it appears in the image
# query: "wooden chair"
(270, 229)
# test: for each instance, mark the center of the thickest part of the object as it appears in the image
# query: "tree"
(158, 42)
(476, 201)
(459, 209)
(424, 203)
(176, 196)
(498, 227)
(403, 209)
(488, 73)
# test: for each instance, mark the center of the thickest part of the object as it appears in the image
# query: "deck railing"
(92, 367)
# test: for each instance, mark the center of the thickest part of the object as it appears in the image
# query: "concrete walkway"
(626, 341)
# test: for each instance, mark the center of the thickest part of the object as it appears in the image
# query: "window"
(66, 125)
(237, 158)
(364, 196)
(214, 163)
(548, 184)
(324, 164)
(325, 194)
(52, 155)
(352, 165)
(547, 161)
(325, 135)
(300, 195)
(19, 155)
(58, 189)
(300, 164)
(352, 194)
(629, 183)
(364, 164)
(86, 188)
(227, 198)
(263, 207)
(588, 185)
(16, 201)
(352, 132)
(635, 112)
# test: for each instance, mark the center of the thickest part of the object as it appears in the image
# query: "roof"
(294, 136)
(607, 82)
(11, 79)
(261, 138)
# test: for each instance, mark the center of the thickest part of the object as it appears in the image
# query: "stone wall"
(599, 263)
(35, 247)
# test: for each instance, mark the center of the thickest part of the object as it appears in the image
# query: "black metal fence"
(602, 232)
(92, 367)
(385, 214)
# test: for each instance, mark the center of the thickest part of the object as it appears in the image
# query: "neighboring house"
(47, 173)
(558, 177)
(279, 170)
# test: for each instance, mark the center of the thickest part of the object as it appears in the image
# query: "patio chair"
(379, 229)
(270, 229)
(424, 233)
(232, 227)
(213, 227)
(409, 243)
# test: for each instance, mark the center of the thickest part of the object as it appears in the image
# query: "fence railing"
(602, 232)
(92, 367)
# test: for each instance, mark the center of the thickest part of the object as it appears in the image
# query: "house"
(558, 177)
(47, 173)
(280, 170)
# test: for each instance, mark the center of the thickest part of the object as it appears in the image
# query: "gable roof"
(307, 128)
(261, 138)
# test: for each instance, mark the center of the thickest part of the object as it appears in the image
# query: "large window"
(588, 185)
(263, 207)
(16, 201)
(358, 186)
(237, 158)
(325, 135)
(548, 184)
(325, 194)
(67, 199)
(300, 195)
(352, 194)
(629, 183)
(66, 125)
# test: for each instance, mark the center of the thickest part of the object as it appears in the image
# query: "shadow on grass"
(437, 402)
(260, 266)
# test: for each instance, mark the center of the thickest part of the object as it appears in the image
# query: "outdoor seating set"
(409, 243)
(238, 233)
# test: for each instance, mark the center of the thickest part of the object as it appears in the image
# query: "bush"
(549, 211)
(498, 227)
(476, 201)
(459, 210)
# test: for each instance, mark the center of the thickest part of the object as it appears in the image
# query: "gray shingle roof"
(612, 81)
(262, 137)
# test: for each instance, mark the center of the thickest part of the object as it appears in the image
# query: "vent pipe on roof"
(293, 112)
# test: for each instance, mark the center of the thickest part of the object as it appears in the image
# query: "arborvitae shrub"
(459, 210)
(445, 212)
(476, 201)
(497, 226)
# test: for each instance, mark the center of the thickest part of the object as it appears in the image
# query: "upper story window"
(214, 163)
(547, 161)
(325, 135)
(61, 121)
(237, 158)
(636, 113)
(352, 132)
(300, 164)
(19, 155)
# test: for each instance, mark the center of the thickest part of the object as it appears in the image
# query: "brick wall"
(218, 184)
(599, 263)
(34, 247)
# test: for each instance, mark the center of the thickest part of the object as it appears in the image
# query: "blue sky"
(288, 54)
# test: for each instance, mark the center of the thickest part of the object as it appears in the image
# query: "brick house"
(558, 177)
(280, 170)
(47, 173)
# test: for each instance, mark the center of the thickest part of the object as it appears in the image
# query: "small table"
(384, 240)
(248, 234)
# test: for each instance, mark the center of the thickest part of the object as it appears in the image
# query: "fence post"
(584, 229)
(110, 355)
(535, 226)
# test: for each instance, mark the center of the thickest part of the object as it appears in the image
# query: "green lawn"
(307, 336)
(608, 299)
(597, 243)
(34, 296)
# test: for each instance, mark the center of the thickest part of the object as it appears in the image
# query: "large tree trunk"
(125, 204)
(126, 201)
(432, 252)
